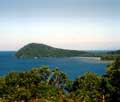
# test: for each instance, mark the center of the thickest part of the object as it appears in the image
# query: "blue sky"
(70, 24)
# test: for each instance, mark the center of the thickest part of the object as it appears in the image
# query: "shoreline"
(98, 59)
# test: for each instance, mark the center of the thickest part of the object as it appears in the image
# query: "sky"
(68, 24)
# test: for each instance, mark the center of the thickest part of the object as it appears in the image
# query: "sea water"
(73, 66)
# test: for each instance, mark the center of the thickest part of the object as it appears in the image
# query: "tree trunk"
(103, 98)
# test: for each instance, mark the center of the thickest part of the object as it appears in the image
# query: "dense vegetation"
(109, 56)
(45, 85)
(115, 52)
(34, 50)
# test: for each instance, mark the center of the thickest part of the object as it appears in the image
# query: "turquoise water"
(72, 66)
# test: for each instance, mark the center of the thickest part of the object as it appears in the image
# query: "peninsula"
(34, 50)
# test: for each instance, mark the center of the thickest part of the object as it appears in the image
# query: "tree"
(2, 86)
(58, 79)
(113, 74)
(105, 88)
(87, 88)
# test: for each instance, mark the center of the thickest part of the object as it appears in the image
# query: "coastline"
(96, 59)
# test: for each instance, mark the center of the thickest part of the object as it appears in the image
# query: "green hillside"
(35, 50)
(112, 55)
(115, 52)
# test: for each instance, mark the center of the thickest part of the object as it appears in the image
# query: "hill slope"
(111, 55)
(35, 50)
(115, 52)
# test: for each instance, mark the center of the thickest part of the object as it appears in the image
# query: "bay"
(74, 66)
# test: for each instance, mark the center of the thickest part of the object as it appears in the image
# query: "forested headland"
(35, 50)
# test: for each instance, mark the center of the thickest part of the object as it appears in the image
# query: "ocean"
(73, 66)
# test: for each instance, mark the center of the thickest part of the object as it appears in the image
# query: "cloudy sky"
(69, 24)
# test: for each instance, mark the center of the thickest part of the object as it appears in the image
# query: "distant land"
(110, 55)
(35, 50)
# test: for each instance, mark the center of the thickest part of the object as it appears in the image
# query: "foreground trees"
(87, 88)
(37, 84)
(113, 74)
(45, 85)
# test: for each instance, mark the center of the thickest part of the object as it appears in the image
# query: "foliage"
(34, 50)
(113, 74)
(32, 85)
(45, 85)
(87, 88)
